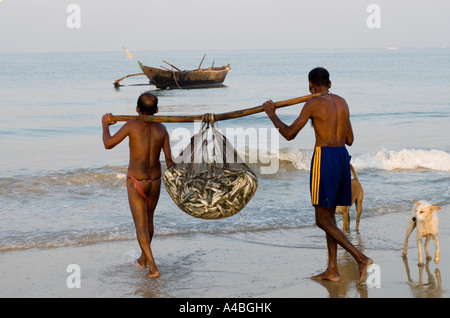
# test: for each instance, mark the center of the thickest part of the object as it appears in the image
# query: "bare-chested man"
(144, 170)
(330, 166)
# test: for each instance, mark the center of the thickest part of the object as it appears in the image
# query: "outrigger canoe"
(165, 78)
(176, 78)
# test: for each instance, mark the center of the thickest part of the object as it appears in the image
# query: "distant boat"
(392, 47)
(175, 78)
(165, 78)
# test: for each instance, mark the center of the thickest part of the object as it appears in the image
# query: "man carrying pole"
(146, 141)
(330, 180)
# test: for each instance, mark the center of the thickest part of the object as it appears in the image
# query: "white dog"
(424, 216)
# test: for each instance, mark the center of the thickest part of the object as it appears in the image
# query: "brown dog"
(357, 198)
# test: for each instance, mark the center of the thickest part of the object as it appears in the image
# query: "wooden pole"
(217, 117)
(116, 82)
(201, 61)
(172, 66)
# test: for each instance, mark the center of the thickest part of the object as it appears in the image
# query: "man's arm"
(288, 132)
(167, 150)
(349, 138)
(112, 141)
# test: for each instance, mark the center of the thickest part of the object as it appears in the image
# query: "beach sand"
(259, 264)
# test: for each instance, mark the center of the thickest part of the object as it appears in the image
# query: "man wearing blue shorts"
(330, 166)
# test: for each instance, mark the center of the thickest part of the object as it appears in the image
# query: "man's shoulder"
(325, 99)
(338, 97)
(316, 101)
(160, 127)
(130, 123)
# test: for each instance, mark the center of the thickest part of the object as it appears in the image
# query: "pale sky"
(107, 25)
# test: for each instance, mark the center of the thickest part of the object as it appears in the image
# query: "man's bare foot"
(327, 276)
(154, 274)
(363, 270)
(141, 261)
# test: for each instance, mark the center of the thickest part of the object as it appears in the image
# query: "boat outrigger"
(165, 78)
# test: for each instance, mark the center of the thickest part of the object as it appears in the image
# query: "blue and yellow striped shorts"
(330, 177)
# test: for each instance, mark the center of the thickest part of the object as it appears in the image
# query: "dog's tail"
(355, 175)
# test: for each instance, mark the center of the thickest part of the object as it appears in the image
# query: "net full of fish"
(210, 180)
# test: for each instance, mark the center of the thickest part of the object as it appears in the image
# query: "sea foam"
(405, 159)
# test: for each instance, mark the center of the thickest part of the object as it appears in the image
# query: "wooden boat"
(165, 78)
(176, 78)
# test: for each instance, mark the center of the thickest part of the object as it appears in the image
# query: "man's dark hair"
(147, 103)
(319, 76)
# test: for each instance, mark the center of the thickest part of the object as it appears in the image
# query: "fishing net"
(210, 180)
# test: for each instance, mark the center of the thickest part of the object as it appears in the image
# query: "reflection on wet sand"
(431, 289)
(346, 287)
(349, 273)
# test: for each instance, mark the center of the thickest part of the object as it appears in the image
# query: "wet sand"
(261, 264)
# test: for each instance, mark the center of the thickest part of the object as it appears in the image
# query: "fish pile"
(210, 195)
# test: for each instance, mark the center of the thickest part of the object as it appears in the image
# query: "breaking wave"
(288, 158)
(405, 159)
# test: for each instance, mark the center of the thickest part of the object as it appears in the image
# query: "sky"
(108, 25)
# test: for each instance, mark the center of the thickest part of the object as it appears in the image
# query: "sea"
(60, 187)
